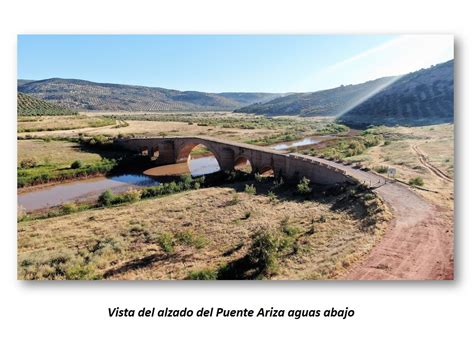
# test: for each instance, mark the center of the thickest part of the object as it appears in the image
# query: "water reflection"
(304, 141)
(203, 166)
(52, 196)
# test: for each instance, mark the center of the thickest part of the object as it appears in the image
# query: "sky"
(223, 63)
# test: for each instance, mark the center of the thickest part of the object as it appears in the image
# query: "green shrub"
(166, 242)
(76, 164)
(271, 195)
(303, 187)
(418, 181)
(204, 274)
(382, 169)
(187, 237)
(287, 228)
(28, 163)
(263, 252)
(250, 189)
(106, 198)
(369, 196)
(69, 207)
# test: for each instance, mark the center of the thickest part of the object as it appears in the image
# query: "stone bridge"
(292, 167)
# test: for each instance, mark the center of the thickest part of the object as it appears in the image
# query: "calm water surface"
(91, 188)
(288, 145)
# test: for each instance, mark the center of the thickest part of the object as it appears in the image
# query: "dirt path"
(425, 162)
(418, 244)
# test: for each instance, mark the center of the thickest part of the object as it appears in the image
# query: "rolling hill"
(418, 98)
(89, 96)
(30, 106)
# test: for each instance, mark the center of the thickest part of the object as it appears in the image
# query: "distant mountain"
(248, 98)
(90, 96)
(23, 81)
(320, 103)
(30, 106)
(418, 98)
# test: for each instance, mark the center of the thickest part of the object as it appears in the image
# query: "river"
(299, 143)
(56, 195)
(83, 190)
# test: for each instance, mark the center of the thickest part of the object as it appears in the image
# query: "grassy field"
(41, 161)
(236, 127)
(401, 148)
(59, 123)
(203, 233)
(62, 153)
(436, 142)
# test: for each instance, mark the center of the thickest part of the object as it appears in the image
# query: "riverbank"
(318, 238)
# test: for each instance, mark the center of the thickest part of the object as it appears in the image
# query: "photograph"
(302, 157)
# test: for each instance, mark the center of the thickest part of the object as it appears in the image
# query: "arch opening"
(200, 159)
(243, 164)
(155, 153)
(267, 171)
(143, 151)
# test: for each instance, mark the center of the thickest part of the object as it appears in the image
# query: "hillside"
(30, 106)
(249, 98)
(89, 96)
(421, 97)
(320, 103)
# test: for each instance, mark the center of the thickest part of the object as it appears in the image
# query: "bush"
(250, 189)
(271, 195)
(418, 181)
(166, 242)
(28, 163)
(130, 196)
(76, 164)
(188, 238)
(204, 274)
(303, 187)
(106, 198)
(70, 207)
(263, 251)
(382, 169)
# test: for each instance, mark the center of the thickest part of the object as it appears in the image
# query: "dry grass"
(437, 142)
(54, 152)
(232, 126)
(171, 237)
(58, 123)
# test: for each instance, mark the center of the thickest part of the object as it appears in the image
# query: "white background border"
(391, 317)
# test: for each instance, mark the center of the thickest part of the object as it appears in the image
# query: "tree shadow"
(141, 263)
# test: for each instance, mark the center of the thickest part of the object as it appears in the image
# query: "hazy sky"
(229, 63)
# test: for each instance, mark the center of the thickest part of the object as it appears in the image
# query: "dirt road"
(425, 162)
(418, 244)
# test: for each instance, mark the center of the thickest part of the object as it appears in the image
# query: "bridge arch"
(266, 171)
(184, 154)
(243, 163)
(154, 152)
